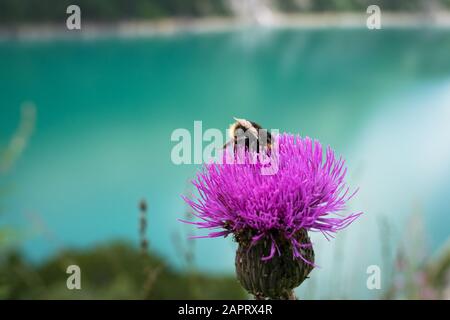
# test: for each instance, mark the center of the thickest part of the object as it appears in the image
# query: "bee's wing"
(243, 122)
(248, 126)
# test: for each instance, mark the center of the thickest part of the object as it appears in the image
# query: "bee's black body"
(250, 132)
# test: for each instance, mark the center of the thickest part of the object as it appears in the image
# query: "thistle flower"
(269, 215)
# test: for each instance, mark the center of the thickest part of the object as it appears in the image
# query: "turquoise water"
(106, 109)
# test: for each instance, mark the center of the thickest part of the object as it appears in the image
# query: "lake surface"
(106, 109)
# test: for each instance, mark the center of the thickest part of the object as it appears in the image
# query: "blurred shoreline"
(218, 24)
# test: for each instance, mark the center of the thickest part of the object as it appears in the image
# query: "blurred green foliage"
(430, 279)
(360, 5)
(19, 11)
(10, 153)
(415, 272)
(111, 271)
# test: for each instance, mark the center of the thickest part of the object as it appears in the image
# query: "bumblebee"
(250, 134)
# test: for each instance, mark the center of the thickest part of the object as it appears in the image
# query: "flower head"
(306, 193)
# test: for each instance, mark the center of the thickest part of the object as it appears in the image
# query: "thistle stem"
(290, 295)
